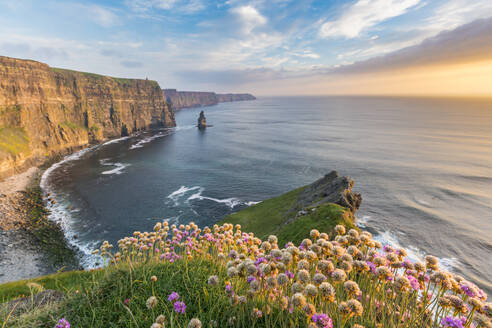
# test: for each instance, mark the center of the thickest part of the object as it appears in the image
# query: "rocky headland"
(188, 99)
(320, 205)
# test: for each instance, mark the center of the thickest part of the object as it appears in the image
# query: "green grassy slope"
(276, 216)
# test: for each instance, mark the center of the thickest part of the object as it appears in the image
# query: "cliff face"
(184, 99)
(227, 97)
(46, 111)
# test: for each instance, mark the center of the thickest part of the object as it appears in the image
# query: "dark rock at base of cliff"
(331, 189)
(202, 121)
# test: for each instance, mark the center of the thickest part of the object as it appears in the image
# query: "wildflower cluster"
(349, 280)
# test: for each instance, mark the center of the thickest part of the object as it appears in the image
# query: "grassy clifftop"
(284, 217)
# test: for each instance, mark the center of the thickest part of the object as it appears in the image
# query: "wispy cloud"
(467, 43)
(363, 15)
(249, 18)
(181, 6)
(102, 16)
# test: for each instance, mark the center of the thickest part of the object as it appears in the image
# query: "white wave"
(119, 167)
(414, 253)
(176, 195)
(184, 127)
(423, 202)
(252, 203)
(144, 141)
(60, 212)
(231, 202)
(362, 222)
(115, 140)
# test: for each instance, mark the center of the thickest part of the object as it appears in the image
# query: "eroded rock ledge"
(331, 188)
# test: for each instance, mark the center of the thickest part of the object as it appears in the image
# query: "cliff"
(228, 97)
(185, 99)
(47, 111)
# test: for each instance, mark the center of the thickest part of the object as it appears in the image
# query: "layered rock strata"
(47, 111)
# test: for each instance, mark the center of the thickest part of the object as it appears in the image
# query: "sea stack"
(202, 121)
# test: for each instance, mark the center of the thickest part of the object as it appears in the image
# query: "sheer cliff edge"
(47, 112)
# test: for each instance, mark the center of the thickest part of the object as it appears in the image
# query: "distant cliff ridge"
(47, 111)
(184, 99)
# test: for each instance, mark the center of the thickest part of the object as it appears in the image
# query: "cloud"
(363, 15)
(467, 43)
(307, 54)
(457, 12)
(102, 16)
(249, 18)
(182, 6)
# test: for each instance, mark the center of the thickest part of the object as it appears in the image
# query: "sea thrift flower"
(173, 297)
(161, 319)
(195, 323)
(257, 313)
(453, 322)
(311, 290)
(355, 307)
(414, 283)
(179, 307)
(340, 229)
(303, 276)
(151, 302)
(213, 280)
(309, 309)
(351, 288)
(62, 323)
(339, 275)
(298, 300)
(322, 320)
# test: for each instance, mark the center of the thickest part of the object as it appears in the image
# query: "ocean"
(422, 165)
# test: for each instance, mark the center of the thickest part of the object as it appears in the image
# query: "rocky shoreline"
(30, 244)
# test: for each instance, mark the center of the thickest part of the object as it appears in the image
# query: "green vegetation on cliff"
(72, 126)
(14, 140)
(289, 221)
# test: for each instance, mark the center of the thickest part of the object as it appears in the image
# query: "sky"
(265, 47)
